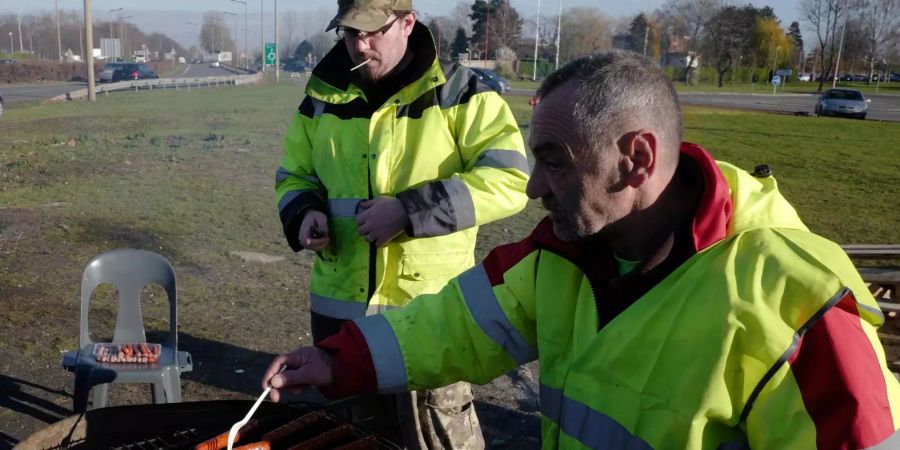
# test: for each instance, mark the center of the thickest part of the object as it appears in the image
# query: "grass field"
(190, 174)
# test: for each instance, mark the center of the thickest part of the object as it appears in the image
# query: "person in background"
(673, 301)
(391, 163)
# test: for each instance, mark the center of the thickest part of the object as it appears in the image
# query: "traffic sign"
(270, 53)
(784, 72)
(776, 80)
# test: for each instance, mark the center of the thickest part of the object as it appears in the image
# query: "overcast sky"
(172, 16)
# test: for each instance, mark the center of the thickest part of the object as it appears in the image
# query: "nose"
(361, 43)
(537, 186)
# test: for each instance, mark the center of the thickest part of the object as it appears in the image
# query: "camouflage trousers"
(442, 418)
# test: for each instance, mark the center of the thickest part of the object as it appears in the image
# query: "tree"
(460, 43)
(687, 18)
(440, 43)
(304, 49)
(797, 39)
(880, 25)
(644, 36)
(584, 31)
(727, 36)
(823, 15)
(771, 45)
(498, 22)
(289, 22)
(214, 34)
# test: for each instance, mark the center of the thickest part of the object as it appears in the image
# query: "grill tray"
(169, 426)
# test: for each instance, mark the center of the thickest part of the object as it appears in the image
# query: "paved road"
(883, 107)
(37, 92)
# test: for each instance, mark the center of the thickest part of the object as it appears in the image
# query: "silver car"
(842, 103)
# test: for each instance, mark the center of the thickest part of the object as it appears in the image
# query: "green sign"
(270, 53)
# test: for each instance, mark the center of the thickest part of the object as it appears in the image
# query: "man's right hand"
(314, 230)
(306, 366)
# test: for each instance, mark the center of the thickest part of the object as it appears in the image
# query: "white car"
(804, 77)
(214, 64)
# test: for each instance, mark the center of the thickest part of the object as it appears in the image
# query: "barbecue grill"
(171, 425)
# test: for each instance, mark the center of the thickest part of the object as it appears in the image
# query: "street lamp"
(109, 17)
(10, 43)
(235, 32)
(246, 52)
(122, 34)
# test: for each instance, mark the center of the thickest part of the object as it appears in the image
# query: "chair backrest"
(129, 270)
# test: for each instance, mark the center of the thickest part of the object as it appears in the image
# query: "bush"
(42, 70)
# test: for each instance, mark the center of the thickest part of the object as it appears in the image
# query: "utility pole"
(246, 52)
(558, 30)
(537, 34)
(89, 56)
(11, 50)
(277, 50)
(262, 37)
(837, 63)
(19, 19)
(58, 36)
(646, 32)
(487, 31)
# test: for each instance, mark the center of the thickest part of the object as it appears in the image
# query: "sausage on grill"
(221, 441)
(290, 428)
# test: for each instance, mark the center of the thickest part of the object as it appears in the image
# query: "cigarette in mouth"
(361, 64)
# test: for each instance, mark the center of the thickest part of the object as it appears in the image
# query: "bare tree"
(879, 24)
(289, 22)
(506, 28)
(727, 37)
(459, 17)
(688, 18)
(584, 30)
(823, 15)
(314, 21)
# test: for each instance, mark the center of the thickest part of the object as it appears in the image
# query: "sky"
(171, 17)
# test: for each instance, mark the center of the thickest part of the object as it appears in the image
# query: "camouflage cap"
(366, 15)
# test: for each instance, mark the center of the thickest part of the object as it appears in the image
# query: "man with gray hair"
(673, 301)
(392, 162)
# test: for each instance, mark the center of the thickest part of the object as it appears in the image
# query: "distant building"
(679, 55)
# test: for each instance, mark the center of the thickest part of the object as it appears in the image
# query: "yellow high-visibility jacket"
(446, 145)
(763, 337)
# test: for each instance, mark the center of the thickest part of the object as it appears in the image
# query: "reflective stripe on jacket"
(764, 338)
(446, 145)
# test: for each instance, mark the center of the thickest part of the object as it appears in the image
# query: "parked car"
(842, 103)
(295, 67)
(492, 79)
(113, 72)
(215, 64)
(804, 77)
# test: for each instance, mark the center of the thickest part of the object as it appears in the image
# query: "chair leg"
(81, 390)
(159, 394)
(100, 396)
(172, 381)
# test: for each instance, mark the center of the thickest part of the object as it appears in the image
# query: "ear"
(639, 151)
(409, 21)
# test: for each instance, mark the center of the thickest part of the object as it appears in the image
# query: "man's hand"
(381, 219)
(314, 230)
(306, 366)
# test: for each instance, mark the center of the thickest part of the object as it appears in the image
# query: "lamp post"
(58, 36)
(246, 53)
(277, 50)
(109, 17)
(537, 34)
(262, 38)
(122, 34)
(89, 56)
(10, 43)
(558, 31)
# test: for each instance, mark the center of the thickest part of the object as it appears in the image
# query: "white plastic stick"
(361, 64)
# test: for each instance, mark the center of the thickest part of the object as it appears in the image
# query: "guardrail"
(164, 83)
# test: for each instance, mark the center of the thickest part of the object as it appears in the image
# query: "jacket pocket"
(432, 266)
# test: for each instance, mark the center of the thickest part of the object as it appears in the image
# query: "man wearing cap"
(391, 164)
